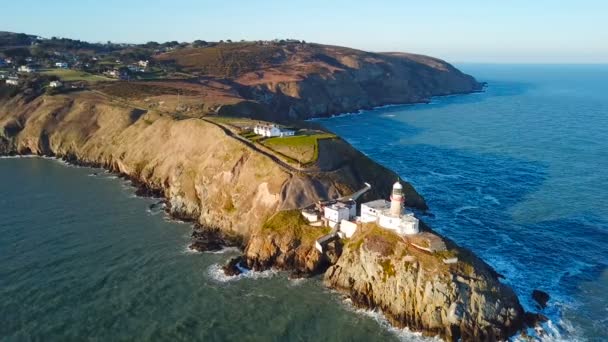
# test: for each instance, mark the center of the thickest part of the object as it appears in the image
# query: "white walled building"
(336, 212)
(12, 81)
(272, 130)
(347, 228)
(390, 215)
(55, 84)
(62, 65)
(26, 68)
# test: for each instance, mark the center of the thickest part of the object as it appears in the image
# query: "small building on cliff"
(391, 215)
(341, 215)
(272, 130)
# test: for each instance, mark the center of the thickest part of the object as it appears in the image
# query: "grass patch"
(303, 149)
(376, 239)
(292, 222)
(130, 90)
(388, 269)
(225, 60)
(69, 75)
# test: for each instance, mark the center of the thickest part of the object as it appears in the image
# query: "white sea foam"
(297, 281)
(168, 218)
(402, 334)
(491, 199)
(444, 175)
(225, 250)
(216, 273)
(463, 208)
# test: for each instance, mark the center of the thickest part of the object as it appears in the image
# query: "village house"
(26, 69)
(12, 80)
(55, 84)
(272, 130)
(143, 64)
(62, 65)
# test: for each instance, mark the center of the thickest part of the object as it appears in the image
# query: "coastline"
(282, 258)
(482, 89)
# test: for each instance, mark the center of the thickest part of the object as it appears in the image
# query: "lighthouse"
(397, 200)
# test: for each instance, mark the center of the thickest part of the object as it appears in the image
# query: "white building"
(62, 65)
(26, 68)
(143, 63)
(390, 215)
(272, 130)
(12, 81)
(347, 228)
(336, 212)
(55, 84)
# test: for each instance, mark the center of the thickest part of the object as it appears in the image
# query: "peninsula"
(215, 128)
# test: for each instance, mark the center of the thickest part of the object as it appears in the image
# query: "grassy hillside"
(225, 60)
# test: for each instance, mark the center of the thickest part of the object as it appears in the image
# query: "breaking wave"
(404, 334)
(216, 273)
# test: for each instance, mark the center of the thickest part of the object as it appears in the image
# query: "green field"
(69, 75)
(298, 140)
(303, 149)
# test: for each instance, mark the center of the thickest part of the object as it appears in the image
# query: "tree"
(199, 43)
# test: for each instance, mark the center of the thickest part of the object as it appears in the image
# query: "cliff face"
(416, 289)
(371, 80)
(300, 81)
(205, 175)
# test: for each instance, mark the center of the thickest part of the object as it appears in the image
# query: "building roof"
(378, 204)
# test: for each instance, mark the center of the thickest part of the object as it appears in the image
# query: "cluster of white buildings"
(341, 215)
(272, 130)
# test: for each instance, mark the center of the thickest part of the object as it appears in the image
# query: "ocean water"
(82, 258)
(518, 174)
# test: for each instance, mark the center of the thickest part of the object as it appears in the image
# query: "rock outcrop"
(419, 290)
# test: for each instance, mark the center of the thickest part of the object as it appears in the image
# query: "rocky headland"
(234, 191)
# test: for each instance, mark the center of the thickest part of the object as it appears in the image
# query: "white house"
(390, 215)
(12, 81)
(26, 68)
(337, 212)
(62, 65)
(143, 63)
(272, 130)
(55, 84)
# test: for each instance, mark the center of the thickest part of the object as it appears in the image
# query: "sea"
(517, 173)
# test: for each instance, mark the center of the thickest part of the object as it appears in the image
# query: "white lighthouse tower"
(391, 215)
(397, 200)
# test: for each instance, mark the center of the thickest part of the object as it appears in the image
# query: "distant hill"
(279, 80)
(10, 39)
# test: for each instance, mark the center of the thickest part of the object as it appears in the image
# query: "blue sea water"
(83, 259)
(518, 174)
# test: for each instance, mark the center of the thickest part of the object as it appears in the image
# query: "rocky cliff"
(205, 175)
(300, 81)
(417, 289)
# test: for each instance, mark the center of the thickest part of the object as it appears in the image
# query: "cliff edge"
(452, 293)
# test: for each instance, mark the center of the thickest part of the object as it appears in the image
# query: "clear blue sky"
(555, 31)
